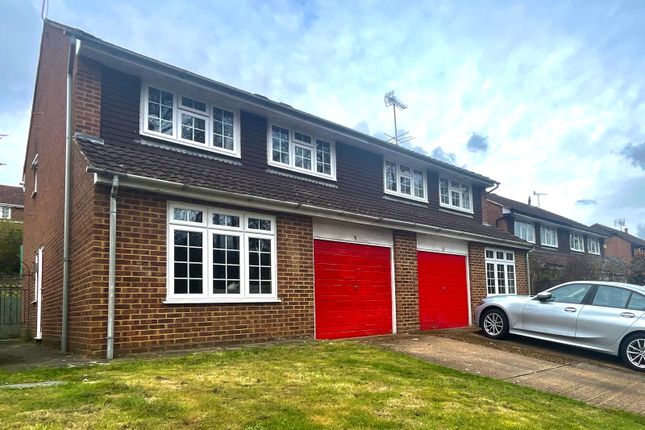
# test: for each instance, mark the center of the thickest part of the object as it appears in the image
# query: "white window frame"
(5, 212)
(543, 242)
(595, 249)
(292, 150)
(506, 262)
(580, 241)
(451, 188)
(520, 227)
(208, 228)
(398, 192)
(176, 120)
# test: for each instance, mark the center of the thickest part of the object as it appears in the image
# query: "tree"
(636, 273)
(10, 241)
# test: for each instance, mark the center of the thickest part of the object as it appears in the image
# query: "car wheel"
(632, 351)
(495, 324)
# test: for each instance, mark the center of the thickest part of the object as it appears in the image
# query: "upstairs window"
(525, 230)
(549, 236)
(576, 242)
(404, 181)
(301, 152)
(593, 245)
(455, 195)
(188, 120)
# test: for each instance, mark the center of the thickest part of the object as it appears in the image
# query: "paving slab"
(597, 384)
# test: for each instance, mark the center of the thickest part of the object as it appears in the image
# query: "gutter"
(74, 47)
(112, 269)
(192, 191)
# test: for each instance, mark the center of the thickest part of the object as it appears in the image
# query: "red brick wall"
(405, 274)
(145, 323)
(87, 97)
(477, 268)
(17, 214)
(491, 212)
(43, 216)
(618, 248)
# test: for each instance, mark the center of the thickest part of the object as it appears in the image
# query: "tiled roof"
(11, 195)
(161, 163)
(535, 212)
(603, 229)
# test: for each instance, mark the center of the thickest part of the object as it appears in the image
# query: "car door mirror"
(543, 296)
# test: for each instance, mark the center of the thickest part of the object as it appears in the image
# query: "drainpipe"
(112, 269)
(528, 271)
(73, 51)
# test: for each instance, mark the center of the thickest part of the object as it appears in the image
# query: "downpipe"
(73, 52)
(528, 271)
(112, 269)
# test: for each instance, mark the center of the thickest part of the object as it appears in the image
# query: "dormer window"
(593, 245)
(455, 195)
(525, 230)
(301, 152)
(189, 120)
(404, 181)
(576, 242)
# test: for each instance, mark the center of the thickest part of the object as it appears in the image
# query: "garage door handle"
(569, 309)
(627, 315)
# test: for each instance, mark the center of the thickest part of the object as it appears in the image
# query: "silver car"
(604, 316)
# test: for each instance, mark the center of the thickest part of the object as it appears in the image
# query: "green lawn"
(314, 385)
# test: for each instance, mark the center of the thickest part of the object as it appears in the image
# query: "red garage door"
(353, 290)
(443, 291)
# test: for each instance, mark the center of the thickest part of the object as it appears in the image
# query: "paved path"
(596, 384)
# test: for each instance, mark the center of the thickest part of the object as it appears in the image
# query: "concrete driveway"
(601, 383)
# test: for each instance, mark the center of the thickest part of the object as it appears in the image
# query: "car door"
(557, 315)
(608, 315)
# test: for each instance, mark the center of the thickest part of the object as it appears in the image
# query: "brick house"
(176, 212)
(562, 247)
(620, 244)
(11, 203)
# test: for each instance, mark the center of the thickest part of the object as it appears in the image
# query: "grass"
(335, 385)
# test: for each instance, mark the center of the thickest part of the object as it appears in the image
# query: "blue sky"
(553, 90)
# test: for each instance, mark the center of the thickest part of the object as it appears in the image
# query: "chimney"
(626, 231)
(529, 200)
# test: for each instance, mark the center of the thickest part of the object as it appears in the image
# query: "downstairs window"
(219, 256)
(500, 272)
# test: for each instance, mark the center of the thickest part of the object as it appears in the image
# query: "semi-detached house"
(174, 211)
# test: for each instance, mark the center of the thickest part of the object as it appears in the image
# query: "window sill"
(579, 251)
(219, 301)
(456, 209)
(405, 196)
(549, 246)
(302, 171)
(203, 147)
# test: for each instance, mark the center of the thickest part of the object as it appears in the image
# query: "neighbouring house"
(564, 249)
(199, 214)
(620, 244)
(12, 207)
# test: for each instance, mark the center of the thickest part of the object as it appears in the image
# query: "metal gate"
(10, 306)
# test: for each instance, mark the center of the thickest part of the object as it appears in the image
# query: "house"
(173, 212)
(620, 244)
(11, 203)
(564, 249)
